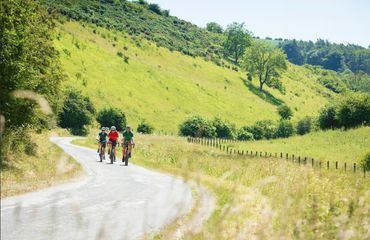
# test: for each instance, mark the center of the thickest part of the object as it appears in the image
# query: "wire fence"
(221, 144)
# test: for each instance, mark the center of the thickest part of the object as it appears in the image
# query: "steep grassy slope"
(164, 87)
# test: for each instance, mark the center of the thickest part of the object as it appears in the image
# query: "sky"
(340, 21)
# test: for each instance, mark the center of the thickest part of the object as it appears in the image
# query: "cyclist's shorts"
(103, 144)
(114, 143)
(127, 143)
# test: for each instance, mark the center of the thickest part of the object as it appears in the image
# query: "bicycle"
(112, 154)
(102, 152)
(128, 154)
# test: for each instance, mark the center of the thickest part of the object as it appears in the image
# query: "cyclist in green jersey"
(128, 140)
(102, 140)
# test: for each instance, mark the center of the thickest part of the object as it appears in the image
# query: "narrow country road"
(111, 202)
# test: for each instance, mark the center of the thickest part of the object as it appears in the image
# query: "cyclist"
(102, 141)
(127, 140)
(112, 136)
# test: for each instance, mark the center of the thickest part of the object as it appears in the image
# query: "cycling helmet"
(103, 128)
(128, 126)
(113, 128)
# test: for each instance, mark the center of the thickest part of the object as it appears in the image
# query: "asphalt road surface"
(110, 202)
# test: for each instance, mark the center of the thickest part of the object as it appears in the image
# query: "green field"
(332, 145)
(165, 87)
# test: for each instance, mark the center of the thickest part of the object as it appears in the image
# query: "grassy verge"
(49, 166)
(263, 198)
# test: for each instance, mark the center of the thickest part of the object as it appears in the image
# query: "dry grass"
(262, 198)
(49, 166)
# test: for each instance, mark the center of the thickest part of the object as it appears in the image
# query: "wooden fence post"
(293, 157)
(327, 165)
(336, 164)
(299, 160)
(305, 160)
(345, 166)
(354, 167)
(286, 156)
(312, 162)
(281, 155)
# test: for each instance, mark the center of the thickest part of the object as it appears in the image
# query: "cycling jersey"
(113, 136)
(127, 136)
(103, 137)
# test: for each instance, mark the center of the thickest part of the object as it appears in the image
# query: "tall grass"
(261, 198)
(48, 166)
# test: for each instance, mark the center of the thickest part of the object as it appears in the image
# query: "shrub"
(76, 112)
(145, 128)
(285, 112)
(197, 126)
(304, 126)
(244, 134)
(223, 129)
(264, 129)
(112, 117)
(327, 118)
(365, 162)
(155, 8)
(285, 129)
(353, 110)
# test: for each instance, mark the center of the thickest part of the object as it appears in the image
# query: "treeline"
(337, 57)
(348, 111)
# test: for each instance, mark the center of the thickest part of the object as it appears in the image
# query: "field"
(332, 145)
(47, 167)
(263, 198)
(165, 87)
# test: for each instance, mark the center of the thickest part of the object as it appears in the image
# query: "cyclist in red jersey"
(113, 137)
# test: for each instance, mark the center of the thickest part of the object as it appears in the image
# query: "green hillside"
(164, 87)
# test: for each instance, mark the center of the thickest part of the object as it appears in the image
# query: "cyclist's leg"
(130, 148)
(123, 151)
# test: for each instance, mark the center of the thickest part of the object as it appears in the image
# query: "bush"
(365, 162)
(264, 129)
(327, 118)
(155, 8)
(112, 117)
(304, 126)
(244, 134)
(197, 126)
(223, 129)
(285, 112)
(76, 112)
(285, 129)
(353, 110)
(145, 128)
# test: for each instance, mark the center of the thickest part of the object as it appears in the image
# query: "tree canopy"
(265, 62)
(214, 27)
(237, 40)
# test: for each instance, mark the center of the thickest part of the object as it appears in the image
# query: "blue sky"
(341, 21)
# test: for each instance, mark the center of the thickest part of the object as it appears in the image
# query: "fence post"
(275, 155)
(327, 165)
(256, 153)
(286, 156)
(299, 160)
(260, 154)
(336, 164)
(305, 160)
(281, 155)
(270, 155)
(312, 162)
(320, 165)
(293, 157)
(364, 170)
(354, 167)
(345, 166)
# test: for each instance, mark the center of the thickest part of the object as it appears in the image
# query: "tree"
(76, 112)
(304, 126)
(285, 112)
(293, 52)
(197, 126)
(285, 129)
(28, 61)
(214, 27)
(112, 117)
(327, 118)
(265, 62)
(333, 61)
(155, 8)
(145, 128)
(238, 39)
(223, 129)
